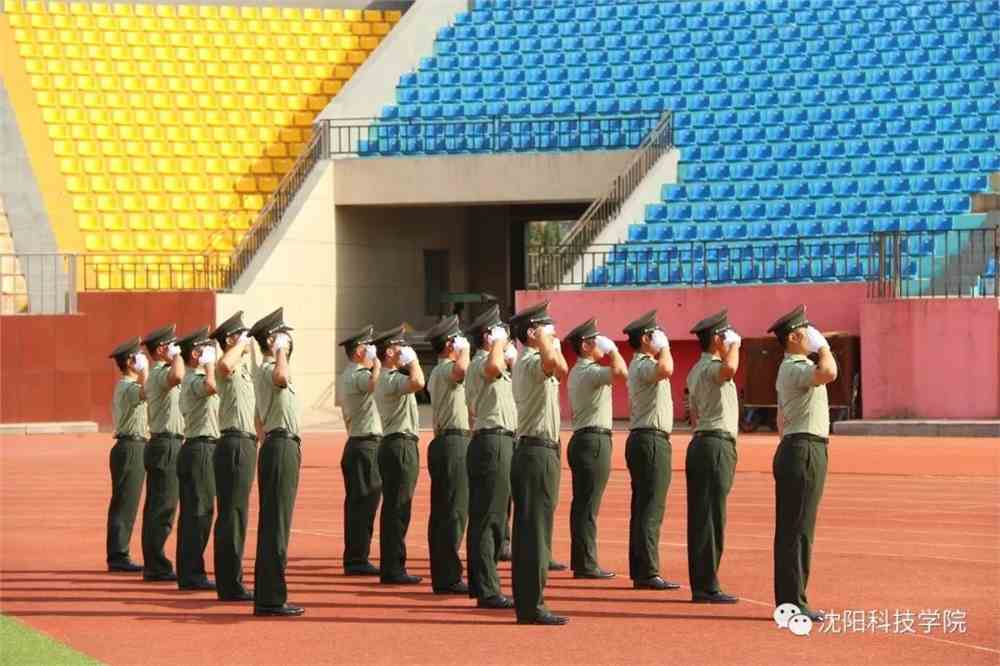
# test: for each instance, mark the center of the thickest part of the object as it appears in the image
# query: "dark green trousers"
(127, 475)
(799, 475)
(534, 480)
(363, 490)
(488, 466)
(234, 462)
(709, 467)
(197, 508)
(648, 455)
(449, 507)
(399, 467)
(277, 484)
(160, 461)
(589, 456)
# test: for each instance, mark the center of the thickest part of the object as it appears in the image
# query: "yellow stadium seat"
(120, 242)
(141, 164)
(228, 201)
(94, 242)
(88, 222)
(253, 202)
(291, 14)
(187, 221)
(115, 222)
(81, 132)
(63, 148)
(262, 166)
(105, 203)
(358, 57)
(145, 242)
(312, 14)
(343, 72)
(163, 221)
(332, 87)
(69, 166)
(246, 184)
(170, 242)
(204, 202)
(352, 14)
(156, 202)
(84, 203)
(138, 222)
(53, 115)
(180, 202)
(239, 220)
(392, 16)
(195, 184)
(165, 11)
(112, 148)
(212, 221)
(77, 185)
(267, 184)
(350, 43)
(101, 184)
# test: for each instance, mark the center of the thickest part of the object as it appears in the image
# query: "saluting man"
(801, 459)
(446, 456)
(398, 454)
(647, 449)
(535, 469)
(277, 416)
(359, 463)
(200, 407)
(235, 457)
(589, 450)
(166, 424)
(489, 456)
(711, 456)
(128, 411)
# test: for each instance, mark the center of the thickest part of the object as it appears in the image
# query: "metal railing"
(484, 134)
(152, 271)
(38, 283)
(917, 263)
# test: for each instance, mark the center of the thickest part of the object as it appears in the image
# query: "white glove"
(510, 354)
(459, 343)
(140, 362)
(407, 355)
(243, 338)
(497, 334)
(731, 337)
(605, 344)
(281, 341)
(173, 349)
(370, 353)
(815, 340)
(659, 340)
(207, 355)
(550, 329)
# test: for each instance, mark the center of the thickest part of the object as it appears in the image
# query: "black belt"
(200, 438)
(236, 432)
(130, 438)
(453, 432)
(401, 435)
(593, 430)
(538, 441)
(284, 434)
(806, 436)
(364, 439)
(166, 435)
(720, 434)
(495, 431)
(652, 431)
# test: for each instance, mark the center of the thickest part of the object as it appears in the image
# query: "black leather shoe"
(505, 554)
(815, 616)
(549, 619)
(127, 566)
(713, 598)
(242, 595)
(197, 585)
(366, 569)
(655, 583)
(600, 574)
(498, 602)
(286, 610)
(160, 578)
(557, 566)
(401, 579)
(454, 588)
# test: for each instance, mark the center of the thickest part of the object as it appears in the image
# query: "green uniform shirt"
(494, 402)
(537, 397)
(200, 410)
(715, 403)
(474, 379)
(163, 401)
(650, 402)
(128, 409)
(396, 406)
(447, 398)
(590, 394)
(236, 399)
(804, 407)
(357, 404)
(277, 407)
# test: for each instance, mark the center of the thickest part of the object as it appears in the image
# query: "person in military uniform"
(446, 456)
(166, 424)
(235, 457)
(277, 416)
(199, 404)
(647, 449)
(711, 456)
(398, 454)
(128, 411)
(487, 462)
(359, 462)
(589, 449)
(535, 469)
(801, 459)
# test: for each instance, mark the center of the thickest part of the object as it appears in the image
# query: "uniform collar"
(160, 364)
(706, 356)
(480, 353)
(584, 360)
(796, 357)
(528, 351)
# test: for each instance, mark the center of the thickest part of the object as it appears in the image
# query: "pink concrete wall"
(931, 358)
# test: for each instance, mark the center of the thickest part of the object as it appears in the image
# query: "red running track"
(905, 524)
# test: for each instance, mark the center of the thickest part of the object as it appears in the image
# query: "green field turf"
(22, 645)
